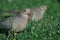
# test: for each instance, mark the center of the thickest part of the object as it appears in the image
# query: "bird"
(37, 14)
(15, 23)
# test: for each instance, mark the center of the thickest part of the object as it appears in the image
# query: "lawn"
(46, 29)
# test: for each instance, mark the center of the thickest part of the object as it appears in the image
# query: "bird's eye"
(24, 10)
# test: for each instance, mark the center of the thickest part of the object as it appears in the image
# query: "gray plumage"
(37, 13)
(15, 23)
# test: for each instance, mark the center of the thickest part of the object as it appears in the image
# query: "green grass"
(46, 29)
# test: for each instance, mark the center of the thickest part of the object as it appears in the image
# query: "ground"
(46, 29)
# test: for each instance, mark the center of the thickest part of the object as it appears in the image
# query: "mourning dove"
(37, 13)
(16, 23)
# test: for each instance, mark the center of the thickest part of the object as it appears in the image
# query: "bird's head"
(43, 7)
(26, 11)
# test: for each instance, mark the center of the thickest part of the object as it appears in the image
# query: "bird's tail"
(5, 26)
